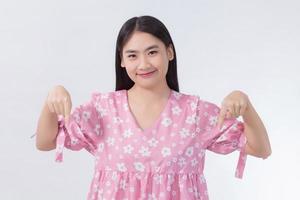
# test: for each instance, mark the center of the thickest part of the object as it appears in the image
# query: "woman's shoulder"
(97, 95)
(200, 102)
(188, 97)
(104, 94)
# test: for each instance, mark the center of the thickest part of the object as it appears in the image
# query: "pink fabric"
(165, 161)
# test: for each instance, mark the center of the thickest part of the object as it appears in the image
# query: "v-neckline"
(156, 121)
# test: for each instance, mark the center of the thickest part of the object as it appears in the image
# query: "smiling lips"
(147, 73)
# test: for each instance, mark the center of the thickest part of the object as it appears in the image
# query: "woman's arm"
(58, 102)
(238, 104)
(46, 130)
(258, 143)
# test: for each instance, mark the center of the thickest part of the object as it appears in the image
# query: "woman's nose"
(144, 62)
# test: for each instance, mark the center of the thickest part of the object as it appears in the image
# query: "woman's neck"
(146, 96)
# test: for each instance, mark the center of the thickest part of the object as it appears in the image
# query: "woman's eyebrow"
(148, 48)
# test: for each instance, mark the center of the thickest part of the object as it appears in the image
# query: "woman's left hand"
(233, 106)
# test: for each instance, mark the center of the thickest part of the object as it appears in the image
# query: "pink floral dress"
(165, 161)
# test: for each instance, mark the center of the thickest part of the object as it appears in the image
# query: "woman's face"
(146, 59)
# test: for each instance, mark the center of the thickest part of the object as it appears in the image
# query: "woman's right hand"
(59, 101)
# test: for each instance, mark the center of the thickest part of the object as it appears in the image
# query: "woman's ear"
(170, 52)
(122, 62)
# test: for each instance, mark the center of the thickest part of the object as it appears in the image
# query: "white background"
(221, 46)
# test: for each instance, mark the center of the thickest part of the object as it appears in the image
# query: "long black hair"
(155, 27)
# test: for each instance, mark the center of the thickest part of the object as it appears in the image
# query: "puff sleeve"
(229, 138)
(83, 130)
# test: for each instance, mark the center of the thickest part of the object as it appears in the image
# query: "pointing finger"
(221, 117)
(67, 109)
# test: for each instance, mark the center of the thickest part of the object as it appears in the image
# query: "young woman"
(148, 139)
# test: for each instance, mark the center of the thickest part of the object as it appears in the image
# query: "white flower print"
(139, 166)
(171, 179)
(201, 153)
(104, 96)
(184, 133)
(152, 142)
(174, 159)
(166, 121)
(177, 95)
(191, 119)
(205, 114)
(86, 115)
(194, 162)
(176, 110)
(127, 133)
(117, 120)
(202, 179)
(123, 184)
(193, 134)
(198, 130)
(144, 151)
(174, 193)
(208, 128)
(151, 197)
(213, 120)
(162, 194)
(96, 187)
(125, 106)
(235, 144)
(138, 175)
(128, 149)
(181, 161)
(189, 151)
(111, 101)
(158, 178)
(121, 167)
(98, 130)
(101, 111)
(166, 151)
(77, 117)
(169, 163)
(157, 168)
(114, 176)
(131, 189)
(74, 141)
(101, 147)
(110, 141)
(196, 192)
(108, 183)
(168, 188)
(193, 105)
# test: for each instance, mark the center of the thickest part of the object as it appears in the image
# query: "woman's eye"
(131, 56)
(153, 52)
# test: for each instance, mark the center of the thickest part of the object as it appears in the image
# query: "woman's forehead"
(141, 41)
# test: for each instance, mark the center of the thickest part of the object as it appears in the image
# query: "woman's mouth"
(148, 74)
